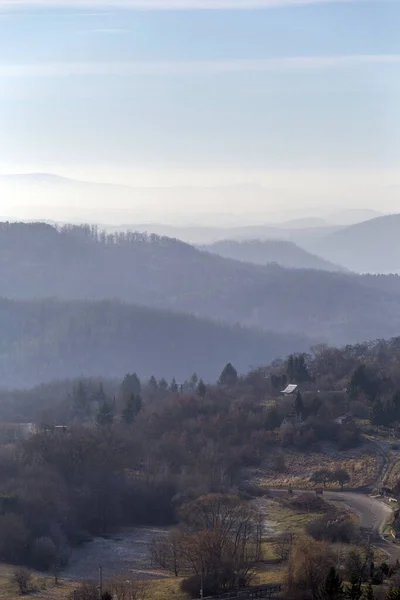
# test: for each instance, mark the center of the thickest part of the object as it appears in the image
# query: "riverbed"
(126, 553)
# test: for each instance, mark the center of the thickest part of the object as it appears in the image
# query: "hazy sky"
(179, 91)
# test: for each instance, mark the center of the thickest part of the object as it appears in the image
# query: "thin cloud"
(166, 4)
(130, 69)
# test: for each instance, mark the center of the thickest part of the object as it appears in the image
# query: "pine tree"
(153, 385)
(80, 400)
(369, 593)
(298, 405)
(332, 589)
(201, 389)
(130, 385)
(105, 415)
(378, 414)
(228, 376)
(353, 590)
(128, 414)
(174, 386)
(163, 385)
(194, 381)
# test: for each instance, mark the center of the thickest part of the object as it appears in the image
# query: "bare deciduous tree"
(22, 579)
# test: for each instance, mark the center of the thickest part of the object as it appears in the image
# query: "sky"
(300, 96)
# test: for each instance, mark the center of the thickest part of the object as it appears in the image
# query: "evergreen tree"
(378, 415)
(100, 395)
(128, 413)
(201, 389)
(153, 385)
(332, 589)
(174, 386)
(130, 385)
(194, 380)
(80, 400)
(298, 405)
(353, 590)
(105, 415)
(296, 369)
(369, 593)
(228, 376)
(163, 385)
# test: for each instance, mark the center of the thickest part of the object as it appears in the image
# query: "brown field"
(362, 464)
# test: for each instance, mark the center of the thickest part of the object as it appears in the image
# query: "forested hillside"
(137, 452)
(284, 253)
(81, 263)
(44, 340)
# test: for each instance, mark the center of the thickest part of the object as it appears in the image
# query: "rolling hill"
(369, 247)
(38, 261)
(284, 253)
(45, 340)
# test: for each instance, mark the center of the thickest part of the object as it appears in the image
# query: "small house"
(290, 390)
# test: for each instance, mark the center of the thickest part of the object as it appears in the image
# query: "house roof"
(290, 389)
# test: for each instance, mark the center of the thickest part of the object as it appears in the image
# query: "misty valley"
(191, 418)
(199, 300)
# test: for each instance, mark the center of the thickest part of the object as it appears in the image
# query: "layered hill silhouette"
(38, 261)
(45, 340)
(284, 253)
(369, 247)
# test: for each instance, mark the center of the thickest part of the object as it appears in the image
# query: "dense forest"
(39, 260)
(42, 340)
(154, 452)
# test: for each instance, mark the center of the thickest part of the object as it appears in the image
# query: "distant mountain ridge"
(39, 261)
(369, 247)
(281, 252)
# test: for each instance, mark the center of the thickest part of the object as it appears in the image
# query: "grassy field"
(362, 464)
(42, 587)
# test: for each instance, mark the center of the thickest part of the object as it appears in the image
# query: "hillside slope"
(38, 261)
(369, 247)
(48, 339)
(284, 253)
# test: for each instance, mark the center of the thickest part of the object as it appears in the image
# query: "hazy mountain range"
(42, 196)
(38, 261)
(369, 247)
(286, 254)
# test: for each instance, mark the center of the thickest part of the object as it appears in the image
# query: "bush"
(310, 503)
(192, 586)
(279, 464)
(22, 579)
(86, 591)
(331, 529)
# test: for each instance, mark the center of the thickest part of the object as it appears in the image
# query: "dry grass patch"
(166, 589)
(42, 586)
(362, 464)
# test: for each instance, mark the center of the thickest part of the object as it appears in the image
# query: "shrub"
(310, 503)
(192, 586)
(22, 579)
(331, 529)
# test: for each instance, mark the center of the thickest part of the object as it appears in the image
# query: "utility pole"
(100, 583)
(202, 585)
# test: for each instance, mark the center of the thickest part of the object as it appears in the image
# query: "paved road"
(373, 514)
